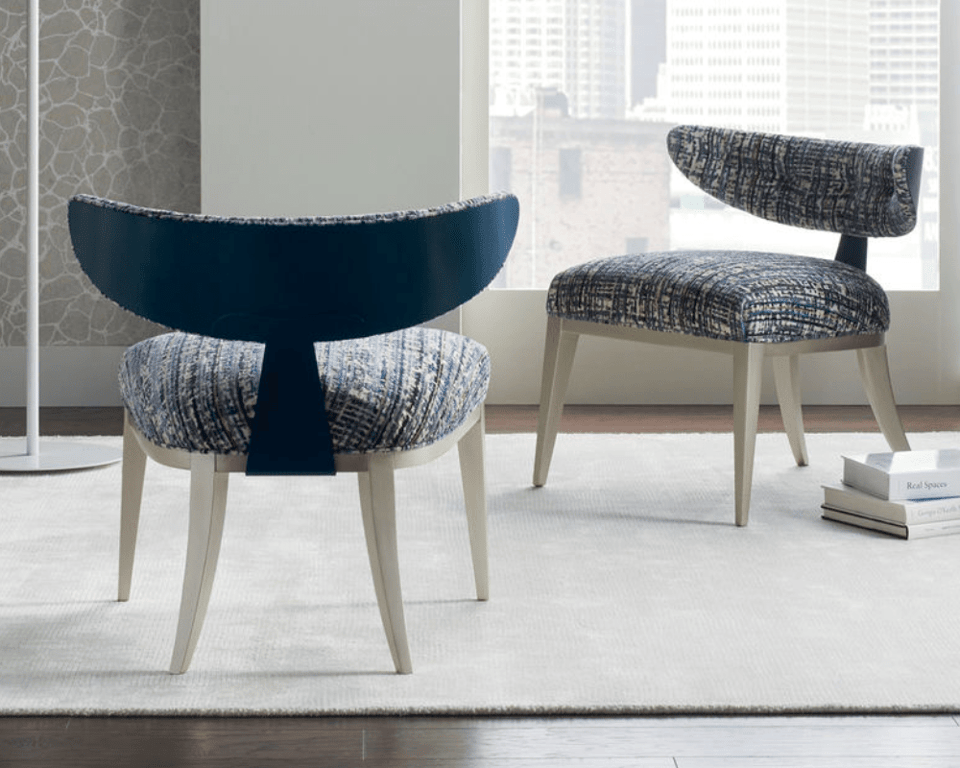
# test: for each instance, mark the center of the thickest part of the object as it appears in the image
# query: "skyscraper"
(904, 65)
(794, 66)
(577, 48)
(647, 47)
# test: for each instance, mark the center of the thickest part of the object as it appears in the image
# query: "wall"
(324, 107)
(120, 117)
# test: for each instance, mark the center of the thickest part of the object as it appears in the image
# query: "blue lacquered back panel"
(322, 279)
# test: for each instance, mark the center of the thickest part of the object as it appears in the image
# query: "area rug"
(622, 587)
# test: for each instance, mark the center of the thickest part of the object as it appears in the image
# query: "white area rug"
(621, 587)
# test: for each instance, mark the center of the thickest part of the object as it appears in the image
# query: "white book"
(899, 475)
(905, 512)
(918, 531)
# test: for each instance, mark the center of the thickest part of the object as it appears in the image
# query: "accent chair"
(749, 304)
(297, 350)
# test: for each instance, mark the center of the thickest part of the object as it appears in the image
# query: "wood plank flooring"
(925, 741)
(391, 742)
(576, 418)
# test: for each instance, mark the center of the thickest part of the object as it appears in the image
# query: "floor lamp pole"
(55, 456)
(33, 228)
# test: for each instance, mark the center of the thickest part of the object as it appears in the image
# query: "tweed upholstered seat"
(393, 392)
(749, 304)
(738, 296)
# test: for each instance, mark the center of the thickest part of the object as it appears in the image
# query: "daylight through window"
(583, 92)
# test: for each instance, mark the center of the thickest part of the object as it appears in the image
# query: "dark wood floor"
(931, 741)
(576, 418)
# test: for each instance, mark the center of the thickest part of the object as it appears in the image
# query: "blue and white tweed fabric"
(739, 296)
(317, 221)
(848, 187)
(392, 392)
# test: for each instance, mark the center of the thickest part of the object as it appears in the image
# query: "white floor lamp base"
(54, 456)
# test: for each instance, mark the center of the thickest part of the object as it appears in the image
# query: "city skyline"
(856, 69)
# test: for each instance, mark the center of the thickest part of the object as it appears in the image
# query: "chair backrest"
(323, 278)
(291, 282)
(856, 189)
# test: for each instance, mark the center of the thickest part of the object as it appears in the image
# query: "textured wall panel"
(120, 117)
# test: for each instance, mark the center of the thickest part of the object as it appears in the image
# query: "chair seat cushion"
(396, 391)
(740, 296)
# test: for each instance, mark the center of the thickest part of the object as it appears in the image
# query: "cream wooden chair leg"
(378, 505)
(747, 370)
(558, 353)
(875, 375)
(208, 502)
(786, 374)
(471, 451)
(131, 495)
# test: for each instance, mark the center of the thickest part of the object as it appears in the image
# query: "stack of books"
(910, 494)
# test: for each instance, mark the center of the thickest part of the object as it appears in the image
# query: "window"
(626, 70)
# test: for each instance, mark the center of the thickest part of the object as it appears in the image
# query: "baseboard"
(69, 376)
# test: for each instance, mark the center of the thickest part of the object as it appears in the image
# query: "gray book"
(905, 512)
(918, 531)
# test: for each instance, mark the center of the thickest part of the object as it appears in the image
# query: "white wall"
(322, 107)
(922, 347)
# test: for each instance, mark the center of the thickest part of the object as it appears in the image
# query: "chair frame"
(561, 345)
(209, 474)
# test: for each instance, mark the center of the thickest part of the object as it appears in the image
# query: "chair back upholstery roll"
(852, 188)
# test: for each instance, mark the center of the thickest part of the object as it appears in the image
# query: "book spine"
(926, 530)
(928, 485)
(929, 512)
(905, 512)
(918, 531)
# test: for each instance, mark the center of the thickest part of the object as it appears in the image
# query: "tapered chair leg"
(559, 350)
(471, 451)
(786, 374)
(208, 502)
(378, 504)
(747, 370)
(875, 375)
(131, 495)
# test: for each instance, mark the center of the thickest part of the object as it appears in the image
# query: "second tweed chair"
(751, 305)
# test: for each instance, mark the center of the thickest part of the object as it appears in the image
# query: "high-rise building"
(647, 47)
(577, 48)
(792, 66)
(904, 65)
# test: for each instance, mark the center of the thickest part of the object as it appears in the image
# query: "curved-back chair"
(296, 353)
(750, 304)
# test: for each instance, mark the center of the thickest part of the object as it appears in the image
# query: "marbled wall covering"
(120, 117)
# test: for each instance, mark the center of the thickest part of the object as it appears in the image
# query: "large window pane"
(584, 91)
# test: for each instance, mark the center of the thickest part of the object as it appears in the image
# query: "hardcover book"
(902, 475)
(917, 531)
(905, 512)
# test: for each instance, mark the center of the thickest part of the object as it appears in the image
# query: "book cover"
(918, 531)
(905, 512)
(905, 475)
